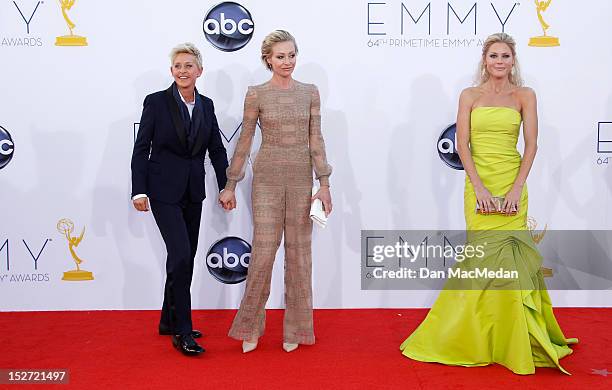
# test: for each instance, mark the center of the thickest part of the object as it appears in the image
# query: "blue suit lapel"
(179, 126)
(200, 123)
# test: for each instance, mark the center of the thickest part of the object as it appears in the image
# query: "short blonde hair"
(270, 40)
(483, 75)
(186, 48)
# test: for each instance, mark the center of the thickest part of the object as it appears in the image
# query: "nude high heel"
(248, 347)
(289, 347)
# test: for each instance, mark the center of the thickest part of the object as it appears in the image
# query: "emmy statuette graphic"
(72, 39)
(66, 227)
(543, 40)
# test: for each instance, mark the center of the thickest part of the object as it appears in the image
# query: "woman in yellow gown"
(512, 325)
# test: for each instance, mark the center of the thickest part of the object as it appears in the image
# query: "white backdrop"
(71, 112)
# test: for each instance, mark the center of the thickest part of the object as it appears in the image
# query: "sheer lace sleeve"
(317, 145)
(235, 172)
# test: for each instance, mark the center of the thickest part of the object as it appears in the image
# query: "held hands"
(227, 199)
(141, 204)
(325, 197)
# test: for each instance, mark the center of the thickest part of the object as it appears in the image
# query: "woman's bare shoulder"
(525, 95)
(469, 95)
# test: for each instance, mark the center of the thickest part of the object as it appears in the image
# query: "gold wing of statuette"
(537, 237)
(78, 240)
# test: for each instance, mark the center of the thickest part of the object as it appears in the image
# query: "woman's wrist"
(324, 181)
(230, 185)
(479, 186)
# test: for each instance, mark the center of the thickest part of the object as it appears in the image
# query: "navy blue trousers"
(179, 225)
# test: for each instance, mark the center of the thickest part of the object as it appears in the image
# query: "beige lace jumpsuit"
(292, 145)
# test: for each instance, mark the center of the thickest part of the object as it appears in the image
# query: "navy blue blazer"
(163, 167)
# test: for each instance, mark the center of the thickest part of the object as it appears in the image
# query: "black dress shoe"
(196, 334)
(186, 344)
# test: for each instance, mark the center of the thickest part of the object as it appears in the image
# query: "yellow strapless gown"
(513, 326)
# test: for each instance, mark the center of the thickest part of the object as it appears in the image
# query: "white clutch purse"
(317, 214)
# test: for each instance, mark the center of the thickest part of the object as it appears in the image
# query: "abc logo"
(228, 259)
(228, 26)
(7, 147)
(446, 147)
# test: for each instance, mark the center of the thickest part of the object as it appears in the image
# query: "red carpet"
(354, 349)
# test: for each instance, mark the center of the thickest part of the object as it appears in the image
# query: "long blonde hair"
(483, 75)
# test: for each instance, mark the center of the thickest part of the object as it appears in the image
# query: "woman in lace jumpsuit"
(292, 145)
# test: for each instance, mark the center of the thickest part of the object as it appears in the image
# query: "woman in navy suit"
(177, 127)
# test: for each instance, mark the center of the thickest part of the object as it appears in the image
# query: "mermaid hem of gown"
(542, 344)
(540, 351)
